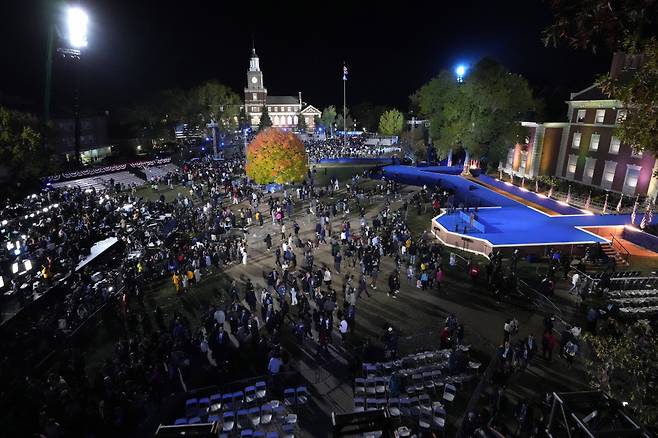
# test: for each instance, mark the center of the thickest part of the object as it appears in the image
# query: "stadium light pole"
(77, 22)
(460, 71)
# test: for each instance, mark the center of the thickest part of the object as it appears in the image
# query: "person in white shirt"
(574, 282)
(343, 328)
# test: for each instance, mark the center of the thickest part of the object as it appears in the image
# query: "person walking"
(575, 281)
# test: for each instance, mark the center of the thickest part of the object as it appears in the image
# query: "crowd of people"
(352, 147)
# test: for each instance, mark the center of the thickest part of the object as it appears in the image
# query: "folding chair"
(427, 381)
(258, 434)
(371, 404)
(449, 392)
(289, 396)
(439, 417)
(418, 382)
(288, 431)
(250, 394)
(403, 431)
(247, 433)
(394, 407)
(291, 419)
(261, 390)
(194, 420)
(191, 407)
(371, 386)
(280, 413)
(272, 435)
(359, 404)
(369, 370)
(204, 406)
(180, 421)
(425, 419)
(254, 416)
(243, 419)
(405, 406)
(227, 402)
(215, 402)
(266, 412)
(414, 406)
(302, 395)
(380, 385)
(238, 400)
(424, 401)
(229, 421)
(360, 386)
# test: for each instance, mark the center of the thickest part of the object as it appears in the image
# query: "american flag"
(344, 72)
(634, 213)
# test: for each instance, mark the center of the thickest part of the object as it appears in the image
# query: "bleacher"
(426, 391)
(102, 182)
(247, 412)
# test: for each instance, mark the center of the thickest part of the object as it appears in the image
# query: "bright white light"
(28, 265)
(45, 210)
(23, 236)
(2, 281)
(10, 246)
(14, 268)
(56, 205)
(17, 251)
(18, 244)
(77, 21)
(4, 222)
(460, 70)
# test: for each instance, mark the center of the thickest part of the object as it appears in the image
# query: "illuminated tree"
(391, 122)
(276, 156)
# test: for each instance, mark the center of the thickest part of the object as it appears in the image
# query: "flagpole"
(344, 112)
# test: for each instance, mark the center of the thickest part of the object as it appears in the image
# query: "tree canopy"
(301, 123)
(265, 119)
(623, 25)
(328, 118)
(481, 114)
(276, 156)
(391, 122)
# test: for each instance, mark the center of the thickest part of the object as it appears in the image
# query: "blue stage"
(502, 221)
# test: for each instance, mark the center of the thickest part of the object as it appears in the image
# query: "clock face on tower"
(254, 79)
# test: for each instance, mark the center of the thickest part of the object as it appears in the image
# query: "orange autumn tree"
(276, 156)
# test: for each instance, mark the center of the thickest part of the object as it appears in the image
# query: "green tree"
(627, 26)
(368, 115)
(301, 123)
(328, 118)
(217, 102)
(391, 122)
(243, 120)
(481, 114)
(23, 156)
(265, 120)
(348, 125)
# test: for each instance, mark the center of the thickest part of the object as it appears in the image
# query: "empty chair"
(289, 396)
(247, 433)
(405, 406)
(403, 431)
(371, 386)
(380, 385)
(415, 406)
(194, 420)
(229, 421)
(449, 392)
(394, 407)
(180, 421)
(359, 386)
(258, 434)
(272, 435)
(425, 418)
(227, 402)
(371, 404)
(204, 405)
(261, 390)
(213, 418)
(359, 404)
(418, 382)
(288, 431)
(427, 381)
(438, 417)
(280, 413)
(291, 419)
(369, 369)
(191, 407)
(250, 394)
(242, 418)
(238, 400)
(266, 412)
(254, 416)
(215, 402)
(425, 401)
(302, 395)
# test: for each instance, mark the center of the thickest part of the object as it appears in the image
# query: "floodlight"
(77, 21)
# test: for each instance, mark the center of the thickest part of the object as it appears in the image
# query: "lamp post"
(77, 22)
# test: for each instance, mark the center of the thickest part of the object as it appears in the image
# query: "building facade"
(588, 151)
(284, 111)
(94, 139)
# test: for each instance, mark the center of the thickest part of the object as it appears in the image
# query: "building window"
(630, 182)
(510, 159)
(615, 143)
(600, 116)
(594, 142)
(254, 96)
(576, 140)
(621, 115)
(571, 166)
(581, 116)
(608, 174)
(289, 109)
(588, 173)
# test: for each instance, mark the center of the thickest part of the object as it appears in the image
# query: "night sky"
(139, 47)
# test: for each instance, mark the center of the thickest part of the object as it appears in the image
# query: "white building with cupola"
(284, 111)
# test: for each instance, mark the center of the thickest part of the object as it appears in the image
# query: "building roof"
(310, 109)
(283, 100)
(592, 92)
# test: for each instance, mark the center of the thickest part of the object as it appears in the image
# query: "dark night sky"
(139, 47)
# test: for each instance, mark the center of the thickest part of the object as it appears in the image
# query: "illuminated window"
(594, 142)
(615, 143)
(254, 96)
(571, 166)
(576, 140)
(600, 116)
(588, 173)
(608, 174)
(632, 176)
(581, 116)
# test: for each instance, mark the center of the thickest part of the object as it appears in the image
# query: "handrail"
(628, 254)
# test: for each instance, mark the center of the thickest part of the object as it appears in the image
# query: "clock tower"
(255, 94)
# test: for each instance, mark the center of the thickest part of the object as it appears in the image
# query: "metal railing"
(621, 249)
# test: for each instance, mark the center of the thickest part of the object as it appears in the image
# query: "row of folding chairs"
(633, 293)
(431, 415)
(409, 361)
(267, 415)
(406, 404)
(288, 431)
(633, 284)
(230, 401)
(295, 396)
(618, 274)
